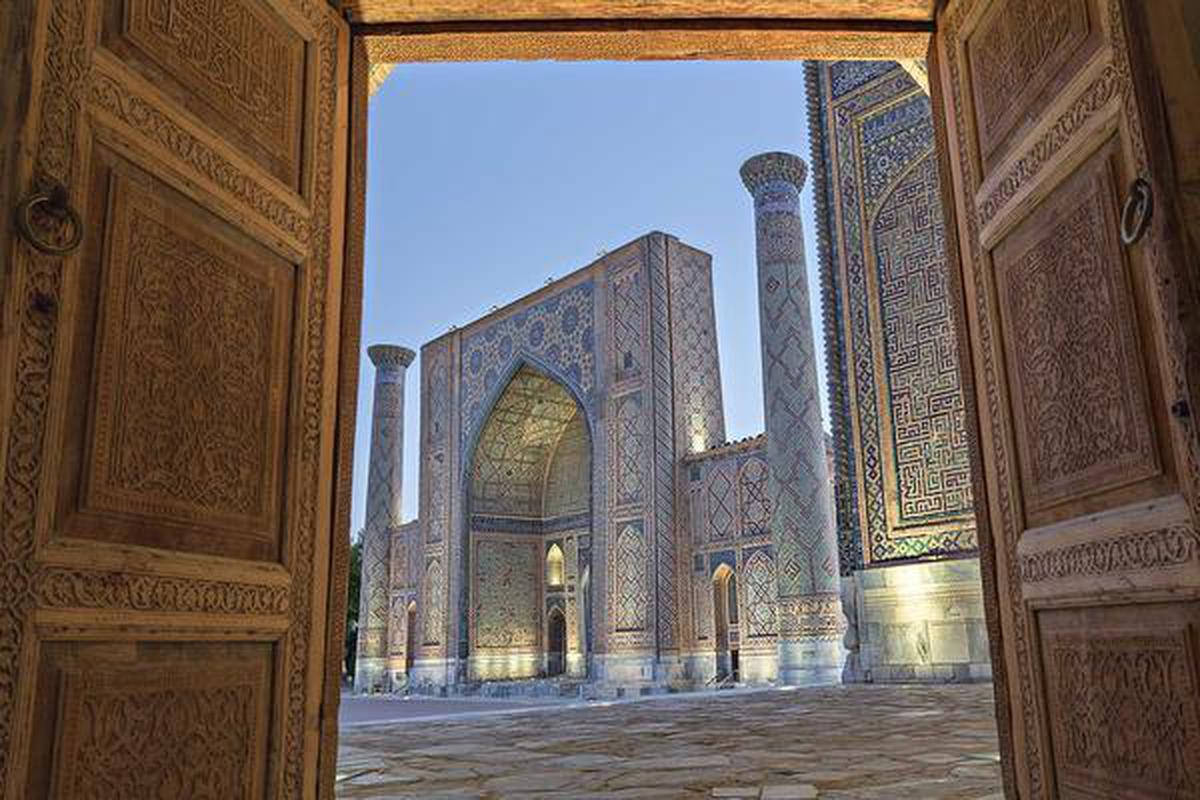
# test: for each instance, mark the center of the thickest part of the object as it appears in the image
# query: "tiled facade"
(562, 420)
(584, 424)
(901, 464)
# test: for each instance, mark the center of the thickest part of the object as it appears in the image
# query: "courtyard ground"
(868, 742)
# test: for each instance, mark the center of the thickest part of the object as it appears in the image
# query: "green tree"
(352, 589)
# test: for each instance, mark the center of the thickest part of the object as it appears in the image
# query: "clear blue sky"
(483, 180)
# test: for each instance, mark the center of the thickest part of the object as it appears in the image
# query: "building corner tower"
(384, 495)
(802, 523)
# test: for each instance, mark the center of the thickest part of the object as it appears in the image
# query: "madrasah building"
(582, 517)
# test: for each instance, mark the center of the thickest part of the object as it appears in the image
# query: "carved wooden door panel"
(168, 389)
(1088, 444)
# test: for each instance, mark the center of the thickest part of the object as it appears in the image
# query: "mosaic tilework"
(629, 446)
(702, 605)
(699, 411)
(404, 576)
(384, 492)
(436, 422)
(721, 497)
(433, 600)
(518, 440)
(758, 595)
(438, 419)
(846, 76)
(740, 472)
(506, 598)
(754, 502)
(846, 495)
(898, 430)
(556, 332)
(802, 522)
(930, 462)
(629, 441)
(627, 317)
(666, 452)
(631, 595)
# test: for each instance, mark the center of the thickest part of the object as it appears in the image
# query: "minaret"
(802, 520)
(384, 493)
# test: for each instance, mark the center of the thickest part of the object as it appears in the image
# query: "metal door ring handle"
(40, 208)
(1135, 216)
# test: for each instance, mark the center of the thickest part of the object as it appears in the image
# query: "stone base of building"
(577, 665)
(622, 669)
(917, 622)
(505, 666)
(810, 661)
(758, 668)
(371, 675)
(432, 675)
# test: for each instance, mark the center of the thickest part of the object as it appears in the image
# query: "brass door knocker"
(1135, 216)
(48, 222)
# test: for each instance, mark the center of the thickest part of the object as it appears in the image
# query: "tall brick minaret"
(802, 520)
(384, 493)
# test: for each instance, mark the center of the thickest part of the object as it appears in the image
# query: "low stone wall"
(917, 622)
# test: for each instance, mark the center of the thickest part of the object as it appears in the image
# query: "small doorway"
(556, 643)
(725, 619)
(410, 638)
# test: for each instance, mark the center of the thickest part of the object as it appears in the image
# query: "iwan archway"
(529, 488)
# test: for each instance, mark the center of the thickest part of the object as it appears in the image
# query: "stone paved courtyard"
(869, 742)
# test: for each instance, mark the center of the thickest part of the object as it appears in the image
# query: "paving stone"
(794, 791)
(834, 743)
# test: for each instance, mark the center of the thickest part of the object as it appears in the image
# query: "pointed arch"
(555, 566)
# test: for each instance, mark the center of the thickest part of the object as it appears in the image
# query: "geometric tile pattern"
(628, 320)
(507, 594)
(929, 450)
(702, 605)
(556, 332)
(433, 595)
(629, 446)
(384, 493)
(722, 500)
(726, 520)
(699, 411)
(518, 439)
(754, 504)
(630, 595)
(802, 523)
(758, 580)
(630, 342)
(438, 418)
(660, 251)
(901, 462)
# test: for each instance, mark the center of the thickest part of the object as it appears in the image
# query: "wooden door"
(168, 395)
(1078, 352)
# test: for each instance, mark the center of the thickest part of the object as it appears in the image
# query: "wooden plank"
(645, 41)
(385, 11)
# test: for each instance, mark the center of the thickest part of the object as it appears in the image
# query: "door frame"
(760, 34)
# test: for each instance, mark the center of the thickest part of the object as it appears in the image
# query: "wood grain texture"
(139, 454)
(1028, 160)
(383, 11)
(644, 42)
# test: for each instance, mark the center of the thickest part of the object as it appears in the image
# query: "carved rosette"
(800, 499)
(384, 495)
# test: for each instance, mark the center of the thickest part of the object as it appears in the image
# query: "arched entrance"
(725, 618)
(410, 638)
(529, 504)
(556, 643)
